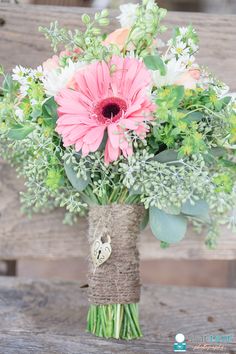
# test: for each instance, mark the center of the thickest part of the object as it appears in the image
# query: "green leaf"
(77, 182)
(9, 85)
(177, 94)
(49, 111)
(166, 156)
(193, 117)
(145, 220)
(228, 164)
(154, 62)
(173, 210)
(199, 209)
(166, 227)
(19, 132)
(226, 100)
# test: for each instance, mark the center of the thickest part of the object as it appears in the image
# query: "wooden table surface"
(42, 317)
(21, 43)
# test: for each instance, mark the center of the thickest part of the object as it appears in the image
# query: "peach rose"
(189, 79)
(118, 37)
(51, 63)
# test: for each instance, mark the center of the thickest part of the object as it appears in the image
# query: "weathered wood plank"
(50, 317)
(20, 41)
(44, 236)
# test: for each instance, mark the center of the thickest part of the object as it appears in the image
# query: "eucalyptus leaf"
(173, 210)
(213, 154)
(199, 209)
(166, 227)
(49, 111)
(193, 117)
(154, 62)
(19, 132)
(8, 84)
(77, 182)
(166, 156)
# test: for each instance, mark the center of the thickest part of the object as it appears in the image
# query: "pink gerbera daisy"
(108, 97)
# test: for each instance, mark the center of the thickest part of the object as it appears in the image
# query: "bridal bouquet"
(131, 130)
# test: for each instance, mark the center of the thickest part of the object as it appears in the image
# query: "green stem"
(114, 321)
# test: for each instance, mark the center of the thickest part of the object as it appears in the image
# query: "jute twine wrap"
(117, 280)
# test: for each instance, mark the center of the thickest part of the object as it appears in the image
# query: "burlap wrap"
(117, 280)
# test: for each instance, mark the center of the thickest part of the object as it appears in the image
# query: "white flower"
(174, 69)
(128, 14)
(192, 45)
(19, 73)
(19, 113)
(37, 73)
(24, 90)
(180, 49)
(187, 60)
(183, 31)
(33, 102)
(151, 4)
(57, 79)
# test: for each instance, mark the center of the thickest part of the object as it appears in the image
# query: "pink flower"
(109, 98)
(189, 78)
(54, 62)
(51, 64)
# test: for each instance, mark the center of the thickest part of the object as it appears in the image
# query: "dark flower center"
(110, 109)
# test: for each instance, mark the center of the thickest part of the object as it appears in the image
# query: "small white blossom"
(192, 45)
(38, 73)
(183, 31)
(19, 73)
(174, 69)
(24, 90)
(128, 15)
(180, 49)
(19, 113)
(187, 60)
(33, 102)
(57, 79)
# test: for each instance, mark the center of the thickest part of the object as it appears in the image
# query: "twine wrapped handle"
(117, 280)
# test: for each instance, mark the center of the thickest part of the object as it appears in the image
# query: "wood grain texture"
(20, 41)
(50, 317)
(44, 236)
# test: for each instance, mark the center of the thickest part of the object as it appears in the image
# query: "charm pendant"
(101, 251)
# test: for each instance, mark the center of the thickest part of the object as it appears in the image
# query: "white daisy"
(180, 49)
(128, 15)
(187, 60)
(192, 45)
(19, 72)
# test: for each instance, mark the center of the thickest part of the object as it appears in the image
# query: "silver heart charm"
(101, 251)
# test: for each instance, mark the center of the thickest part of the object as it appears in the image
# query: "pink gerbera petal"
(104, 100)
